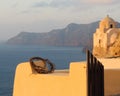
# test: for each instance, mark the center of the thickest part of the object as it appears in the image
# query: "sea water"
(12, 55)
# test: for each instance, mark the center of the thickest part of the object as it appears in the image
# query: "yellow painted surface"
(110, 63)
(111, 76)
(70, 82)
(112, 82)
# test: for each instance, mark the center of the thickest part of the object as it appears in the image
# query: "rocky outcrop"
(72, 35)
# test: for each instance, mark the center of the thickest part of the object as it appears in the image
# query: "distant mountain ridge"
(71, 35)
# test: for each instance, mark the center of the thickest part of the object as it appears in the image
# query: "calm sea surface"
(11, 56)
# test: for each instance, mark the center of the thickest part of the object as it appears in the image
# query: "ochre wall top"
(107, 19)
(106, 23)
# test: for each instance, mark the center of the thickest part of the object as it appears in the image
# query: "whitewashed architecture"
(105, 37)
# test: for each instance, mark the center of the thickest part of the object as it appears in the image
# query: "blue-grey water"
(11, 56)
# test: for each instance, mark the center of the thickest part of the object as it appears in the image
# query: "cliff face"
(72, 35)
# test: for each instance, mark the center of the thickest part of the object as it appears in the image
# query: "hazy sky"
(44, 15)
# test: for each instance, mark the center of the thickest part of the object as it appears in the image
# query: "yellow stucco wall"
(70, 82)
